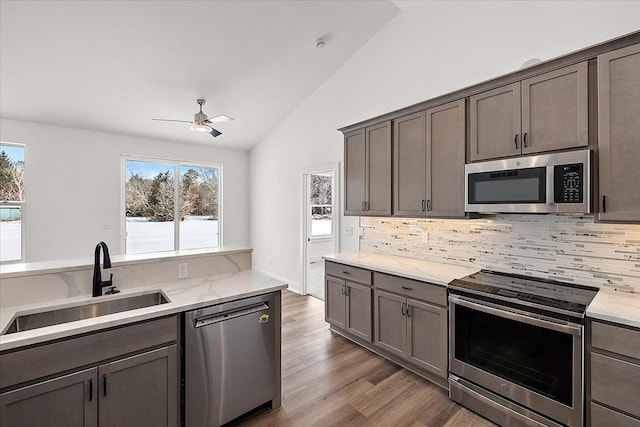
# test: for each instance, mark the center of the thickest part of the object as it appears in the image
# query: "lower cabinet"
(402, 319)
(348, 306)
(614, 375)
(137, 391)
(413, 330)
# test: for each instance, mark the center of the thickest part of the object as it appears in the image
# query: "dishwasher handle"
(209, 320)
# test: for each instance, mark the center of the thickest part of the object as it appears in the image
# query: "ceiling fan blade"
(170, 120)
(215, 133)
(220, 118)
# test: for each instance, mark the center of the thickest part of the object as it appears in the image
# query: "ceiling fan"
(201, 122)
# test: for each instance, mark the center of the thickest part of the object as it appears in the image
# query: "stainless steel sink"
(70, 314)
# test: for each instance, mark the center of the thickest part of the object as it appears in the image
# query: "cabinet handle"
(366, 206)
(362, 206)
(402, 309)
(524, 140)
(346, 272)
(104, 384)
(424, 205)
(515, 141)
(407, 288)
(346, 290)
(604, 204)
(428, 205)
(90, 390)
(407, 311)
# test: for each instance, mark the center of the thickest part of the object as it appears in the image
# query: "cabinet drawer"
(48, 359)
(348, 272)
(411, 288)
(615, 383)
(605, 417)
(616, 339)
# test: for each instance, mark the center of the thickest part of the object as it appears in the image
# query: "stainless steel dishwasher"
(230, 360)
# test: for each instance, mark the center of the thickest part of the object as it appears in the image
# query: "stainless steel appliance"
(229, 360)
(558, 182)
(517, 348)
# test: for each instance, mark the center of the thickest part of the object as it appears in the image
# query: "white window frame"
(18, 204)
(176, 192)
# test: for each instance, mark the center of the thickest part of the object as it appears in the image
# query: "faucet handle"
(112, 290)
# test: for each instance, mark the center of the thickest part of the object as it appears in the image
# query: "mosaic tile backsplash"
(569, 248)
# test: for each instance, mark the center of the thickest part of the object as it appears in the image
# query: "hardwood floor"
(329, 381)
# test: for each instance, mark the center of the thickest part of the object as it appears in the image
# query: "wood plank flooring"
(329, 381)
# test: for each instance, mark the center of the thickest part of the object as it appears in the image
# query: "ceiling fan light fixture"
(201, 127)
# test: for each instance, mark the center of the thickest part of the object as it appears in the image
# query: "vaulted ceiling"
(114, 65)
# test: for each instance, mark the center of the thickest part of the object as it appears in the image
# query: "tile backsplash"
(569, 248)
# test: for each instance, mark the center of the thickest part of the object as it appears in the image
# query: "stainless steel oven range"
(516, 351)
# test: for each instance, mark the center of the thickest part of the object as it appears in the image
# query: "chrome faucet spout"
(98, 283)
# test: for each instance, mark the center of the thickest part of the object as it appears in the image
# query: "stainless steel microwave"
(558, 182)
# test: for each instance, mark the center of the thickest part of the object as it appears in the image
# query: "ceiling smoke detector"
(320, 44)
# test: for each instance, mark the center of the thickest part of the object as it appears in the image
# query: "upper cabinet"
(542, 113)
(619, 134)
(429, 156)
(367, 170)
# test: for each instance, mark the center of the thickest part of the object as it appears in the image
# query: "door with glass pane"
(320, 226)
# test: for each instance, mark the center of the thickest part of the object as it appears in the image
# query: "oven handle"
(531, 319)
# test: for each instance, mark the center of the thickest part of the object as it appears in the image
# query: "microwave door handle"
(550, 185)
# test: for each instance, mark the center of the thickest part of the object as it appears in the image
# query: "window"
(11, 202)
(154, 199)
(321, 205)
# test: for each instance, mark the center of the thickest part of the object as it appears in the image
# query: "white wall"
(425, 51)
(73, 186)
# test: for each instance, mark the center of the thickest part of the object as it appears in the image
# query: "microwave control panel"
(569, 183)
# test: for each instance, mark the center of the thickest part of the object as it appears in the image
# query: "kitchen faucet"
(98, 283)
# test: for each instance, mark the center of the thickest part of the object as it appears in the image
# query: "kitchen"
(251, 176)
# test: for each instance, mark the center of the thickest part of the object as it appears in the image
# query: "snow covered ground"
(158, 236)
(10, 240)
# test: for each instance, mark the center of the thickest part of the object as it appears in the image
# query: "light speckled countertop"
(426, 271)
(615, 306)
(184, 294)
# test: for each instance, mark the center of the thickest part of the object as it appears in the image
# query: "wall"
(73, 186)
(425, 51)
(570, 248)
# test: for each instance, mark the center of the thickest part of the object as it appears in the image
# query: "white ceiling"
(114, 65)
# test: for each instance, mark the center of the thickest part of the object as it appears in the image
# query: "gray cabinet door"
(140, 391)
(334, 302)
(355, 172)
(446, 135)
(67, 401)
(555, 110)
(378, 144)
(358, 310)
(390, 322)
(619, 134)
(495, 123)
(410, 165)
(427, 337)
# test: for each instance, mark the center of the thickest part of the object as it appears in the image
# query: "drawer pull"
(407, 288)
(104, 384)
(346, 272)
(90, 390)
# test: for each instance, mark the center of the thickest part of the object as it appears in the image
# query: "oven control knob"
(505, 387)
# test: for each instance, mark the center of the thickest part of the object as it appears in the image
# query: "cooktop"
(531, 291)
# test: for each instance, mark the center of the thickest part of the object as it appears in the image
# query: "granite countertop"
(616, 306)
(183, 294)
(426, 271)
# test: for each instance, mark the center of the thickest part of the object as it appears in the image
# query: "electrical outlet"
(183, 270)
(425, 237)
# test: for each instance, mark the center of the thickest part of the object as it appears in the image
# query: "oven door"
(532, 360)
